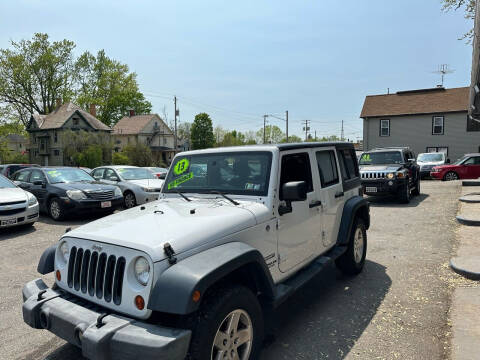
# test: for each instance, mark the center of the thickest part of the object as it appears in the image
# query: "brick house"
(426, 120)
(148, 129)
(46, 147)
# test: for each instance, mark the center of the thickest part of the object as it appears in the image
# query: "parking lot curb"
(470, 198)
(470, 183)
(467, 266)
(469, 222)
(466, 323)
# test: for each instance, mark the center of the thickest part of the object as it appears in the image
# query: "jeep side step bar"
(291, 285)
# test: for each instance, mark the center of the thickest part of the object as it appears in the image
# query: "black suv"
(390, 171)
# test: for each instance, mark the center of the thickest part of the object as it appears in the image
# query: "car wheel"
(404, 194)
(229, 325)
(416, 191)
(129, 200)
(451, 175)
(55, 209)
(353, 260)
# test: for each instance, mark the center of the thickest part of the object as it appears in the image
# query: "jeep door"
(300, 230)
(331, 195)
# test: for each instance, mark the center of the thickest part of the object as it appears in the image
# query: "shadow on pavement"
(15, 231)
(392, 201)
(327, 316)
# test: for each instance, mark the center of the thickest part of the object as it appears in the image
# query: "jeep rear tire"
(229, 325)
(353, 260)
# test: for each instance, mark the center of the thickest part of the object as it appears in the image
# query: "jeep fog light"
(142, 270)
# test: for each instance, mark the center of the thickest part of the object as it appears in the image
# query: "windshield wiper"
(225, 197)
(182, 195)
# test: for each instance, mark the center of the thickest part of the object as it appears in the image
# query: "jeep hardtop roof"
(270, 147)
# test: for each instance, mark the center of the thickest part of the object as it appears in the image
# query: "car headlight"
(390, 176)
(142, 270)
(149, 189)
(400, 175)
(118, 192)
(76, 194)
(32, 200)
(64, 251)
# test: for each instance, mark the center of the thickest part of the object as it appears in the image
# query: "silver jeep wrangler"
(235, 232)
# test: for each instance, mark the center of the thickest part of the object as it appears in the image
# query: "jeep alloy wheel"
(234, 337)
(358, 244)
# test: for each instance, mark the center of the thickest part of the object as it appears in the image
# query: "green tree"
(273, 134)
(202, 132)
(120, 158)
(138, 155)
(108, 84)
(468, 6)
(75, 145)
(91, 157)
(34, 73)
(292, 139)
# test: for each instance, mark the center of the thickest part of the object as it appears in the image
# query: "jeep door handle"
(315, 204)
(339, 194)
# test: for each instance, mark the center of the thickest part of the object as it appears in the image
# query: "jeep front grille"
(373, 175)
(97, 274)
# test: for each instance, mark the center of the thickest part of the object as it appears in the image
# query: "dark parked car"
(9, 169)
(64, 190)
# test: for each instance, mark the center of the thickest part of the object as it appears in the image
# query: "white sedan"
(138, 185)
(17, 206)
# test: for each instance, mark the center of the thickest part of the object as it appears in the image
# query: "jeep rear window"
(381, 158)
(238, 173)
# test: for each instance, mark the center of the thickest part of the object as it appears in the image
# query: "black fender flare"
(46, 263)
(173, 290)
(354, 206)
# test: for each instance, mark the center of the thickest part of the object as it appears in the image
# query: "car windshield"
(67, 175)
(240, 173)
(381, 157)
(431, 157)
(461, 160)
(135, 173)
(157, 169)
(5, 183)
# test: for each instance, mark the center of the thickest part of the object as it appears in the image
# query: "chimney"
(93, 110)
(59, 102)
(131, 112)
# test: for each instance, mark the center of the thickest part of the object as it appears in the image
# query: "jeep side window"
(296, 167)
(327, 167)
(347, 164)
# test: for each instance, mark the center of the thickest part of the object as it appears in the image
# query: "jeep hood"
(185, 225)
(394, 167)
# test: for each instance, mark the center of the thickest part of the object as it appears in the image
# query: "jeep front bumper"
(111, 337)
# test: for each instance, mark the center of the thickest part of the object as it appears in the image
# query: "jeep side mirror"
(292, 191)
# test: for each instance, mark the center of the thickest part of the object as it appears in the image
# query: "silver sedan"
(17, 206)
(138, 185)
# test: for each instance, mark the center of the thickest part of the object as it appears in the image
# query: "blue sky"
(240, 60)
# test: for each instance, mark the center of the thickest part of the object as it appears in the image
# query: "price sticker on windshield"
(181, 166)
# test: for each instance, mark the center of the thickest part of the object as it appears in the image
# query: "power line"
(306, 128)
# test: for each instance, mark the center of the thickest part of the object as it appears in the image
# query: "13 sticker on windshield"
(181, 166)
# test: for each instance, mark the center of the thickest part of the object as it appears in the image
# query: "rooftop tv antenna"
(443, 70)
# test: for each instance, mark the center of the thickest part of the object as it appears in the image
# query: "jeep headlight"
(64, 251)
(118, 192)
(390, 176)
(76, 195)
(142, 270)
(32, 200)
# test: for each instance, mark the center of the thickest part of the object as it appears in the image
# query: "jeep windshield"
(381, 158)
(238, 173)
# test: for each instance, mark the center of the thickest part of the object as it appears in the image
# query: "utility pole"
(315, 135)
(286, 119)
(306, 128)
(264, 125)
(342, 133)
(175, 138)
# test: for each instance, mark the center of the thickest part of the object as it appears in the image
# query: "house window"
(75, 122)
(56, 152)
(437, 125)
(55, 137)
(472, 124)
(443, 149)
(384, 127)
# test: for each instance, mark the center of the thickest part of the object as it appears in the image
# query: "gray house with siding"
(426, 120)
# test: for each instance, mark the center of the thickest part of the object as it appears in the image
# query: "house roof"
(131, 125)
(59, 116)
(424, 101)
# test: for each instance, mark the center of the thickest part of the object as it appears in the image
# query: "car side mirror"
(448, 161)
(292, 191)
(411, 160)
(40, 182)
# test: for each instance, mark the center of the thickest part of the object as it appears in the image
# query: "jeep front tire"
(228, 325)
(353, 260)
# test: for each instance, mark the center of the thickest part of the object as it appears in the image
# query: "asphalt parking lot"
(396, 309)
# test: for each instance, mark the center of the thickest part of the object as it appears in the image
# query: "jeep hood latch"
(168, 250)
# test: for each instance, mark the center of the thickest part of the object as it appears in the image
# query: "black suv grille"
(96, 274)
(100, 195)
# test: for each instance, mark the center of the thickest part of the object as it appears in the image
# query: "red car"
(467, 167)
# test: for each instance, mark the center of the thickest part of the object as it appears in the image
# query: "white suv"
(195, 273)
